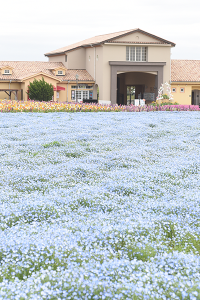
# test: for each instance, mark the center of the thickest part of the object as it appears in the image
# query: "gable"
(39, 75)
(137, 37)
(130, 36)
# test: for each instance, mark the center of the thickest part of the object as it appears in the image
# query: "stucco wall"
(76, 59)
(185, 97)
(137, 37)
(118, 53)
(99, 70)
(13, 85)
(90, 60)
(110, 53)
(161, 54)
(58, 58)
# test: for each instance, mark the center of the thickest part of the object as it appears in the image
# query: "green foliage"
(52, 144)
(40, 90)
(164, 103)
(165, 96)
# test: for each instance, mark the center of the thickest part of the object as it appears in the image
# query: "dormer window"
(60, 72)
(6, 71)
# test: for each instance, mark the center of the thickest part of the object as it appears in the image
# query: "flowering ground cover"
(35, 106)
(100, 205)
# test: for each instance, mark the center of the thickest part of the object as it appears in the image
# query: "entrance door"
(196, 97)
(80, 95)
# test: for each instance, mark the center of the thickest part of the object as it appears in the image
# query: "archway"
(136, 85)
(121, 67)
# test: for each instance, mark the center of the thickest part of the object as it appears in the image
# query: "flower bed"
(100, 206)
(34, 106)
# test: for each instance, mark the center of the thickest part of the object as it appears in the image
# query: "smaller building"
(69, 85)
(185, 81)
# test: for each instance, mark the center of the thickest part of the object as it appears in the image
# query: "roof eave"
(111, 39)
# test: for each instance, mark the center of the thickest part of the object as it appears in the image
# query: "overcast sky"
(28, 29)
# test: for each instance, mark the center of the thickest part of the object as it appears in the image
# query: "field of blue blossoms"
(100, 205)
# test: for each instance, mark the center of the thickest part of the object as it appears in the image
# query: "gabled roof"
(22, 70)
(5, 66)
(185, 70)
(31, 75)
(100, 39)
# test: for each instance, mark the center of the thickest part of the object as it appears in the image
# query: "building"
(185, 81)
(117, 67)
(124, 65)
(15, 77)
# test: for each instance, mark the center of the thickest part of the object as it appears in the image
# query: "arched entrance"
(131, 69)
(136, 85)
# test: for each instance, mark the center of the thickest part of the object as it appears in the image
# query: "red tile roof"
(185, 70)
(105, 38)
(25, 69)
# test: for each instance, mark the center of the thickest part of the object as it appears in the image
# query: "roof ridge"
(115, 32)
(99, 39)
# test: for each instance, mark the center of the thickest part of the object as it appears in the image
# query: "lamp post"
(68, 81)
(76, 86)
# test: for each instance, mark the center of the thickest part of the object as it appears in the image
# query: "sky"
(28, 29)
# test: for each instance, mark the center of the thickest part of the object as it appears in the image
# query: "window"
(85, 94)
(136, 53)
(60, 72)
(80, 95)
(65, 58)
(6, 71)
(173, 90)
(182, 90)
(80, 86)
(73, 95)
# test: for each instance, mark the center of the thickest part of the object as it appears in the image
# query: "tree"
(40, 90)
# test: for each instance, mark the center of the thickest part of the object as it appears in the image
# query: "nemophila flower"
(109, 210)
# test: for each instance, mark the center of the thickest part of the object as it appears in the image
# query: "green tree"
(40, 90)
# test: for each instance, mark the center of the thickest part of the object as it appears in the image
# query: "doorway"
(134, 92)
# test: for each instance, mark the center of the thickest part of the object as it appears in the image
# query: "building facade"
(185, 81)
(15, 77)
(125, 65)
(115, 68)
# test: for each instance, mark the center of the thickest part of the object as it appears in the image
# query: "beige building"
(125, 65)
(185, 81)
(117, 67)
(15, 77)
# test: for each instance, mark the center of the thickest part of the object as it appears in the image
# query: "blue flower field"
(100, 205)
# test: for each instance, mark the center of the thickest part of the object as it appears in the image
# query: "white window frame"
(173, 90)
(136, 53)
(60, 72)
(182, 90)
(6, 71)
(81, 94)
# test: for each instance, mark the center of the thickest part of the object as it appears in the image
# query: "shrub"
(40, 90)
